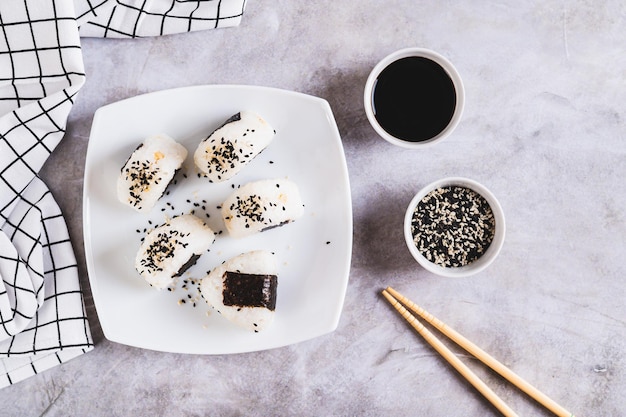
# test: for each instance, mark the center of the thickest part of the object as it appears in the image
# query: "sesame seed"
(453, 226)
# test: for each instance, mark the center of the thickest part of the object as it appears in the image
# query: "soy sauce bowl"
(434, 207)
(414, 97)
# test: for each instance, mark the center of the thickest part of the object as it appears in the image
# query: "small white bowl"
(486, 258)
(370, 85)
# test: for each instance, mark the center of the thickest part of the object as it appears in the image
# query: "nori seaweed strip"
(250, 290)
(191, 262)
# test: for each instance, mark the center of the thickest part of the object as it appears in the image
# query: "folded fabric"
(139, 18)
(44, 321)
(41, 307)
(42, 315)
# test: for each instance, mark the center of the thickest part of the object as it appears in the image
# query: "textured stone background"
(543, 128)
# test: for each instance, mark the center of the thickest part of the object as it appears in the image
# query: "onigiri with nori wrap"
(148, 171)
(243, 289)
(169, 250)
(232, 146)
(261, 205)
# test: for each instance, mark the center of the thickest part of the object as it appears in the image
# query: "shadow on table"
(343, 89)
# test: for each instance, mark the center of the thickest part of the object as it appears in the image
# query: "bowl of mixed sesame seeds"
(454, 227)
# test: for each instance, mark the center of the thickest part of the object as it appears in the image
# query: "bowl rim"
(404, 53)
(485, 259)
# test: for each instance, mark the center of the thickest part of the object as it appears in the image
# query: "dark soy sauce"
(414, 99)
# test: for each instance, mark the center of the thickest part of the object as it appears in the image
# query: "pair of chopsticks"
(397, 300)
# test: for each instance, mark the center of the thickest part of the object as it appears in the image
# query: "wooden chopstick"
(449, 356)
(395, 298)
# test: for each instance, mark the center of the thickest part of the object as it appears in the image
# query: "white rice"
(147, 173)
(166, 249)
(261, 205)
(232, 146)
(260, 262)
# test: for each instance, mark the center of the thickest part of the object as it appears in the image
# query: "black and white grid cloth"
(42, 315)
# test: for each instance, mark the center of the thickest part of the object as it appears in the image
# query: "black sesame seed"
(453, 226)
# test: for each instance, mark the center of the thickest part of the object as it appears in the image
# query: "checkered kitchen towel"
(42, 315)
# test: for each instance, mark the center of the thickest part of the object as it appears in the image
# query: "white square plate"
(314, 252)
